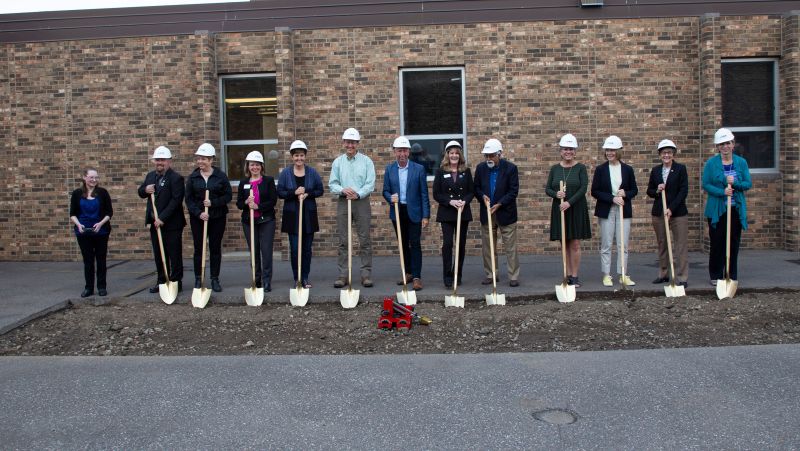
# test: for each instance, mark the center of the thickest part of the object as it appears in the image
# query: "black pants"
(716, 235)
(173, 247)
(94, 248)
(411, 234)
(448, 234)
(265, 236)
(216, 229)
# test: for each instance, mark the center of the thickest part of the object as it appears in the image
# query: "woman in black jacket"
(207, 178)
(90, 211)
(453, 188)
(262, 201)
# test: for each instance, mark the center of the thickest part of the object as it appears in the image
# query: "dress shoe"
(513, 283)
(154, 289)
(574, 281)
(661, 280)
(86, 293)
(197, 282)
(102, 292)
(409, 279)
(683, 284)
(417, 284)
(486, 281)
(268, 288)
(180, 286)
(340, 282)
(215, 285)
(366, 282)
(448, 283)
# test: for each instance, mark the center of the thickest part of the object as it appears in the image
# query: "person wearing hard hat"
(207, 177)
(576, 212)
(497, 183)
(725, 175)
(405, 182)
(353, 178)
(168, 188)
(453, 188)
(614, 184)
(257, 193)
(300, 181)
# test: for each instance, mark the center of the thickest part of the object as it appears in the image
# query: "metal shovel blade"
(298, 296)
(495, 299)
(674, 291)
(726, 288)
(348, 298)
(168, 291)
(254, 296)
(565, 293)
(454, 301)
(200, 297)
(406, 297)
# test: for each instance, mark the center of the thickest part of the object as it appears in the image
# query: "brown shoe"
(486, 281)
(340, 282)
(513, 283)
(417, 284)
(366, 282)
(409, 278)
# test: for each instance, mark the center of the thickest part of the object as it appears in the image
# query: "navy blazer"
(601, 190)
(505, 191)
(169, 199)
(677, 189)
(417, 202)
(286, 189)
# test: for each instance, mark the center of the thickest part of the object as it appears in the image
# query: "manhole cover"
(556, 416)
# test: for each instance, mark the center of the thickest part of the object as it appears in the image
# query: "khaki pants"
(362, 222)
(679, 228)
(509, 234)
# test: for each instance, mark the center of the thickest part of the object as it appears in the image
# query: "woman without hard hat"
(671, 178)
(614, 184)
(453, 189)
(207, 177)
(257, 192)
(576, 213)
(296, 182)
(725, 174)
(90, 210)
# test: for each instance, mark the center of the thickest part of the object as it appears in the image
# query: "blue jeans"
(412, 243)
(308, 240)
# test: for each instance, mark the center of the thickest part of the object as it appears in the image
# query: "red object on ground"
(393, 318)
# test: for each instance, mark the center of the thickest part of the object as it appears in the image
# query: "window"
(750, 109)
(249, 122)
(432, 112)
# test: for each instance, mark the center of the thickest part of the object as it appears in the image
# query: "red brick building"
(105, 87)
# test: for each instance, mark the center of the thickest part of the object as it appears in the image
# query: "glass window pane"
(432, 102)
(250, 108)
(236, 154)
(758, 148)
(429, 152)
(748, 94)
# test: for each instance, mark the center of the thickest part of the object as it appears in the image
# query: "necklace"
(566, 174)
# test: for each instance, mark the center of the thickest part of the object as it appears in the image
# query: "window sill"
(768, 176)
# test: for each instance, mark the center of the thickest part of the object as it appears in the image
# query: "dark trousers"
(94, 248)
(411, 241)
(308, 240)
(216, 229)
(716, 236)
(264, 236)
(173, 247)
(448, 234)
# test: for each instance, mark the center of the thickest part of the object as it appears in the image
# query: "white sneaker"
(607, 281)
(627, 281)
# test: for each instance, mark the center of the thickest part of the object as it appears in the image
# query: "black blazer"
(505, 192)
(105, 205)
(169, 199)
(286, 188)
(677, 189)
(267, 197)
(601, 190)
(445, 189)
(220, 193)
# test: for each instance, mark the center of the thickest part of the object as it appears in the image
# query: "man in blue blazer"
(405, 182)
(497, 182)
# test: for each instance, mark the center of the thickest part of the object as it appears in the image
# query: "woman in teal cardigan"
(725, 174)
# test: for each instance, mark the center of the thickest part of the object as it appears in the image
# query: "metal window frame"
(223, 141)
(775, 128)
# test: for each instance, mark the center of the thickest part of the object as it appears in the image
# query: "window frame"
(775, 128)
(450, 136)
(223, 141)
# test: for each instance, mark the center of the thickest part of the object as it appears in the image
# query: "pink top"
(254, 189)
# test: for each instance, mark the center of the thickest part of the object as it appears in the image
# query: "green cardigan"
(714, 183)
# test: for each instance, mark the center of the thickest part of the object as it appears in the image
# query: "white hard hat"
(666, 143)
(453, 143)
(255, 156)
(568, 140)
(613, 143)
(723, 135)
(206, 150)
(162, 152)
(351, 134)
(492, 146)
(401, 142)
(298, 145)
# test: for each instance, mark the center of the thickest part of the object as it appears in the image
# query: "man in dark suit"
(405, 182)
(168, 187)
(497, 183)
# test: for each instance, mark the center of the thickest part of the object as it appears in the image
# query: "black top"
(169, 199)
(601, 190)
(446, 187)
(676, 190)
(106, 209)
(505, 191)
(219, 193)
(267, 197)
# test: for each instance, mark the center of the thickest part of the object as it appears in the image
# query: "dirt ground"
(599, 322)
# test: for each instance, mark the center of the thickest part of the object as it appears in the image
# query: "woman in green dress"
(576, 212)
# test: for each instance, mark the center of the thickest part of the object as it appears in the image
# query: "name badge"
(247, 186)
(447, 176)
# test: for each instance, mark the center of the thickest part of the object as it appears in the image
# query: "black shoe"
(573, 280)
(684, 284)
(102, 292)
(215, 285)
(259, 284)
(86, 293)
(153, 290)
(513, 283)
(180, 286)
(197, 282)
(661, 280)
(486, 281)
(448, 283)
(268, 288)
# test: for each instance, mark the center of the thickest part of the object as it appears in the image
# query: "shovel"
(621, 247)
(404, 297)
(168, 291)
(564, 292)
(349, 297)
(494, 298)
(454, 300)
(726, 288)
(672, 290)
(253, 296)
(200, 296)
(299, 296)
